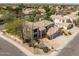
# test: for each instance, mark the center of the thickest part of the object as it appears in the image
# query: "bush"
(46, 49)
(38, 41)
(65, 34)
(32, 43)
(41, 45)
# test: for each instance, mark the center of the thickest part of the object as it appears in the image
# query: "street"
(72, 49)
(7, 49)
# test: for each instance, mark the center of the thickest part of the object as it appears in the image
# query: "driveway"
(72, 49)
(7, 49)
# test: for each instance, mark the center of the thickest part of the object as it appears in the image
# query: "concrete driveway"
(72, 49)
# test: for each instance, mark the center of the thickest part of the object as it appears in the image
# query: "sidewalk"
(19, 46)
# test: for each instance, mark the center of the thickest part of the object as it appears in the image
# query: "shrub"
(32, 43)
(46, 49)
(38, 41)
(65, 34)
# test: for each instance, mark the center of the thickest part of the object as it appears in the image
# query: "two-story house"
(36, 30)
(65, 22)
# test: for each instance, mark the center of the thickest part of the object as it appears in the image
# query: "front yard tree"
(15, 27)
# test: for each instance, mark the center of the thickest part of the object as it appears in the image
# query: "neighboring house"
(64, 21)
(36, 30)
(57, 19)
(27, 11)
(71, 17)
(42, 11)
(66, 25)
(10, 5)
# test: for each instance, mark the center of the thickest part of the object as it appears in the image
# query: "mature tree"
(15, 27)
(7, 14)
(48, 12)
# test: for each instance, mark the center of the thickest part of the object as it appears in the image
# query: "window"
(35, 30)
(35, 35)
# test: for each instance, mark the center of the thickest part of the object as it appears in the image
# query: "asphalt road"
(7, 49)
(72, 49)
